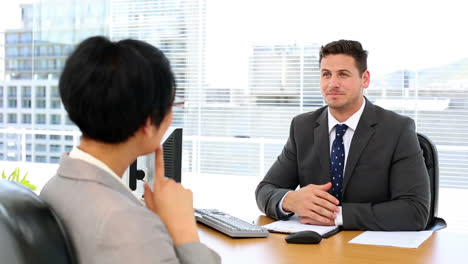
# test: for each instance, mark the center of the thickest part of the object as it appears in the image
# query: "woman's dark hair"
(110, 88)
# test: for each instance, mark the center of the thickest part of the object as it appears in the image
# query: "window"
(55, 104)
(55, 148)
(54, 92)
(26, 97)
(12, 38)
(40, 103)
(68, 121)
(28, 146)
(26, 118)
(40, 159)
(12, 51)
(12, 136)
(68, 148)
(54, 159)
(40, 136)
(69, 138)
(40, 119)
(40, 91)
(26, 91)
(55, 119)
(1, 117)
(12, 146)
(40, 147)
(12, 91)
(55, 137)
(11, 103)
(26, 103)
(12, 118)
(12, 157)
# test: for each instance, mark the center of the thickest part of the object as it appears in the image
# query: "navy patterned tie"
(337, 159)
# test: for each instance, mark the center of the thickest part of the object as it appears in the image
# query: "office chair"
(432, 164)
(30, 232)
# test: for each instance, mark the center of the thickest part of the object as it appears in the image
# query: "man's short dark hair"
(110, 88)
(348, 47)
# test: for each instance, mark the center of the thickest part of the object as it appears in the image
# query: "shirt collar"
(77, 153)
(351, 122)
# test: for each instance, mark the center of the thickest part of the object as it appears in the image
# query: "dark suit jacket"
(386, 185)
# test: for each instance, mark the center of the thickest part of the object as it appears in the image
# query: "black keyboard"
(228, 224)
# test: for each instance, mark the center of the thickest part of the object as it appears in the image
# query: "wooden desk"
(443, 246)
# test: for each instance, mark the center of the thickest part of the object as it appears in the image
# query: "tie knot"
(340, 130)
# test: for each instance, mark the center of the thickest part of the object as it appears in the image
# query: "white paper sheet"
(406, 239)
(293, 225)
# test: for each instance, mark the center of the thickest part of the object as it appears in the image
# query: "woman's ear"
(148, 127)
(167, 121)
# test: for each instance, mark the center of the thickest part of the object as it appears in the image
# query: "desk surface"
(443, 246)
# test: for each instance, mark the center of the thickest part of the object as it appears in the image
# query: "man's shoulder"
(383, 114)
(310, 116)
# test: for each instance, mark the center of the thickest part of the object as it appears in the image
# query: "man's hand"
(172, 203)
(313, 204)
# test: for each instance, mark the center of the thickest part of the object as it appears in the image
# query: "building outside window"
(54, 160)
(55, 104)
(26, 97)
(12, 91)
(40, 103)
(40, 136)
(40, 159)
(40, 97)
(55, 148)
(40, 119)
(40, 147)
(26, 118)
(55, 119)
(55, 137)
(12, 118)
(26, 103)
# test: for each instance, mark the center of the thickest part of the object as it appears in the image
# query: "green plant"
(14, 176)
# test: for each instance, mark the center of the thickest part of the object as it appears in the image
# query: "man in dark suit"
(357, 165)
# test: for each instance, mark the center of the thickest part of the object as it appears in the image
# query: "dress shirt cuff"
(339, 217)
(280, 207)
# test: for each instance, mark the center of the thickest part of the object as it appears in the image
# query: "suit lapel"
(364, 132)
(322, 138)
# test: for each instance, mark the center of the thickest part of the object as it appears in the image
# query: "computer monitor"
(172, 148)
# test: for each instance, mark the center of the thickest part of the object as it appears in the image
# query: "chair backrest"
(431, 159)
(30, 232)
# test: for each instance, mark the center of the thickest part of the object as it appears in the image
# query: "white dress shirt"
(352, 123)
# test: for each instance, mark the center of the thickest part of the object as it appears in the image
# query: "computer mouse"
(304, 237)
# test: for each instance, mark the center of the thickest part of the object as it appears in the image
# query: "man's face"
(341, 84)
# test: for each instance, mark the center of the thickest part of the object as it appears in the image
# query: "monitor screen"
(172, 149)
